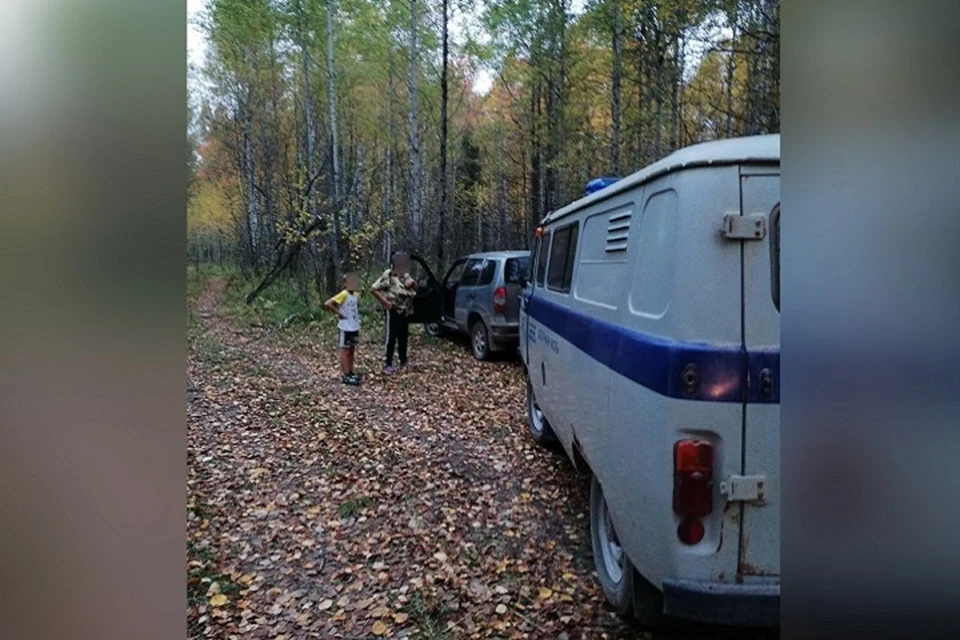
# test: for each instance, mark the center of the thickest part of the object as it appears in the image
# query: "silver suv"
(480, 296)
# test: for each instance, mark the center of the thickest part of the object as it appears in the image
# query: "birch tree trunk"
(675, 93)
(416, 185)
(731, 68)
(502, 190)
(335, 150)
(617, 82)
(311, 141)
(391, 144)
(252, 200)
(441, 221)
(643, 94)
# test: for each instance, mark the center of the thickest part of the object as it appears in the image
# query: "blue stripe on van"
(658, 363)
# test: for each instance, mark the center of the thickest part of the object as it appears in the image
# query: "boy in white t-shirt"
(345, 305)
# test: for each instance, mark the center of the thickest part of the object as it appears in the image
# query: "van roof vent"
(618, 228)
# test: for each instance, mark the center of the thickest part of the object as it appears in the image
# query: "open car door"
(428, 305)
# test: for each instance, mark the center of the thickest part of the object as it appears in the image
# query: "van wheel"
(540, 429)
(479, 340)
(631, 596)
(433, 329)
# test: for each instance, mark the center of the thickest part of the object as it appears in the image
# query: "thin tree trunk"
(502, 191)
(675, 94)
(443, 142)
(731, 68)
(253, 202)
(643, 89)
(335, 153)
(617, 81)
(391, 189)
(416, 188)
(658, 83)
(559, 147)
(535, 204)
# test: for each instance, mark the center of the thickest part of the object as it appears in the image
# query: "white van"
(650, 331)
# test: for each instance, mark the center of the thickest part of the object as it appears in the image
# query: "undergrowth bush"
(282, 305)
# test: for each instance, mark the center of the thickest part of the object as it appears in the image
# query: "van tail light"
(692, 478)
(500, 300)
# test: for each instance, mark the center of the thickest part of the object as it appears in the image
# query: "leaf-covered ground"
(412, 506)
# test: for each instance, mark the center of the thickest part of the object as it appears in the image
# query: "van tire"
(633, 598)
(433, 329)
(480, 340)
(540, 429)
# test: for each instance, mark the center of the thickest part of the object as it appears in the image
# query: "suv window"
(456, 272)
(543, 247)
(775, 255)
(486, 275)
(516, 267)
(471, 273)
(560, 270)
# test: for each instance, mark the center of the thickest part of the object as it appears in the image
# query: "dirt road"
(412, 506)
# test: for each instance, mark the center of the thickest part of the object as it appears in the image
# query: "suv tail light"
(500, 300)
(693, 478)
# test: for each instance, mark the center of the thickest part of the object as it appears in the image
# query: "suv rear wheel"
(632, 597)
(479, 340)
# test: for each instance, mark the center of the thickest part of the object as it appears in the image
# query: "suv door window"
(471, 273)
(456, 273)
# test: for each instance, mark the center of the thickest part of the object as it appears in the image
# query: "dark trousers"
(398, 329)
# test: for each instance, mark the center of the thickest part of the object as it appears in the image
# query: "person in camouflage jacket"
(395, 290)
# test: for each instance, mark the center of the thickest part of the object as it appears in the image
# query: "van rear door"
(760, 519)
(525, 295)
(514, 269)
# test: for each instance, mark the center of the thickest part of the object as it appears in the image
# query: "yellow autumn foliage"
(208, 209)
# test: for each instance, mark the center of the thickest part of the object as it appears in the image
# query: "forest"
(325, 134)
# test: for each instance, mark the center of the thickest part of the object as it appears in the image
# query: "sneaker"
(350, 380)
(389, 369)
(354, 376)
(407, 366)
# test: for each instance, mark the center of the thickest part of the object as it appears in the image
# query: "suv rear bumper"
(502, 333)
(756, 605)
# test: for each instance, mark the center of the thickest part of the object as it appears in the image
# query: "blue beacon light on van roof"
(599, 183)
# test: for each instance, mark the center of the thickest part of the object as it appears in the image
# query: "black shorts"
(349, 339)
